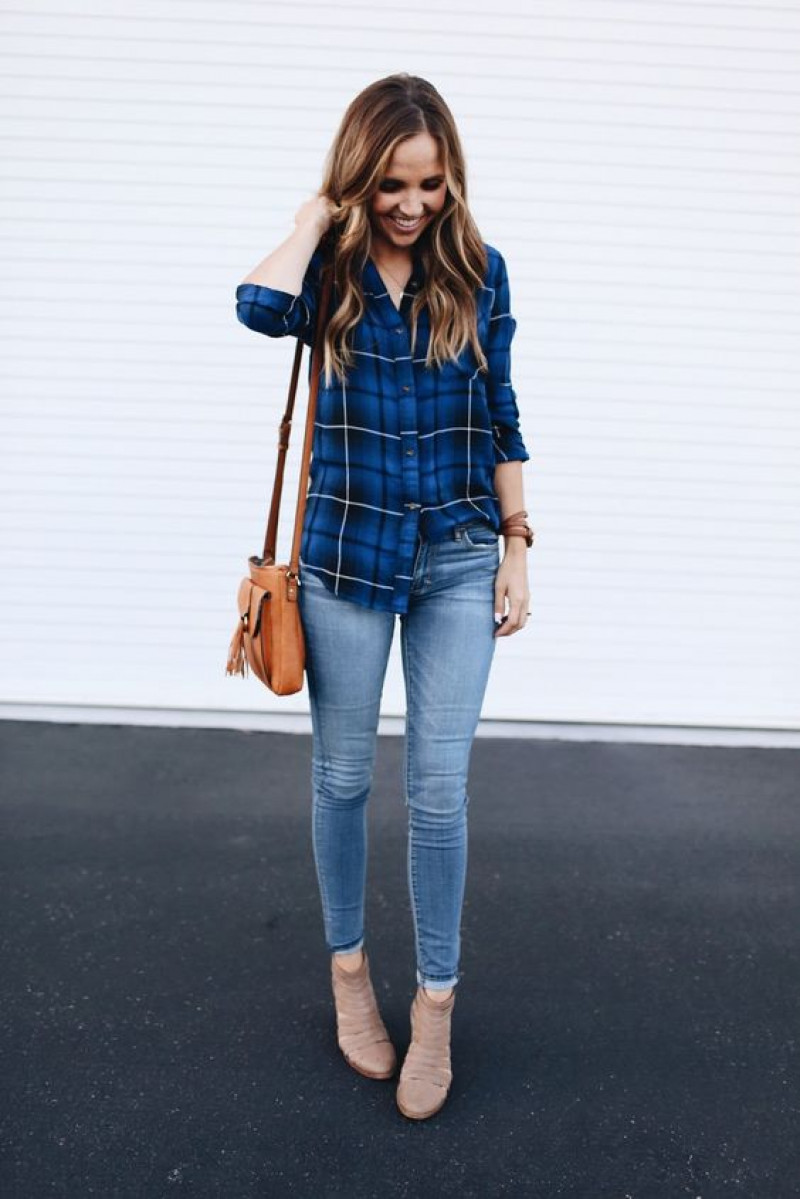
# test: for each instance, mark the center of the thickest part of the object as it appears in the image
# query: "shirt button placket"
(408, 422)
(409, 462)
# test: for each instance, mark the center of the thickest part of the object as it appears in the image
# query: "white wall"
(636, 164)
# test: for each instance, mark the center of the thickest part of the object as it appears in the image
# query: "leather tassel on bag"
(268, 638)
(237, 660)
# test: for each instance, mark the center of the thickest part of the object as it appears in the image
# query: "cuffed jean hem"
(352, 948)
(436, 984)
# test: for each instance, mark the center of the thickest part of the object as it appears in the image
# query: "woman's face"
(414, 187)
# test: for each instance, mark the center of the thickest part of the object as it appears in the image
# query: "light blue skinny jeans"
(447, 644)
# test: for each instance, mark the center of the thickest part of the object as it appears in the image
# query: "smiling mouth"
(406, 226)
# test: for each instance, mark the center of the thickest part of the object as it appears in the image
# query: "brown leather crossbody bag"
(269, 634)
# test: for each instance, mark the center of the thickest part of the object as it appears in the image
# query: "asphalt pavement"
(626, 1026)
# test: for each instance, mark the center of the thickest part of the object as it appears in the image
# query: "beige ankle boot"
(360, 1031)
(426, 1074)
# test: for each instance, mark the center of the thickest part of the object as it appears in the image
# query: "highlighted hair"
(451, 249)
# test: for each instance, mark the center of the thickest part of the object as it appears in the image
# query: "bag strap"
(286, 426)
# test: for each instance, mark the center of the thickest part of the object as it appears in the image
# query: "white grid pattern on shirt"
(346, 486)
(338, 574)
(325, 495)
(469, 440)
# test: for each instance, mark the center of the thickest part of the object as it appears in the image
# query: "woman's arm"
(284, 269)
(280, 295)
(509, 487)
(512, 589)
(511, 586)
(501, 397)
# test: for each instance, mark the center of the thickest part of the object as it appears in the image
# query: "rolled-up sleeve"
(277, 313)
(502, 399)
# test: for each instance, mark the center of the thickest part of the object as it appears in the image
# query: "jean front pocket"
(479, 535)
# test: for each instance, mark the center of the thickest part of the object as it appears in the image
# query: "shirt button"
(400, 329)
(406, 388)
(410, 453)
(411, 504)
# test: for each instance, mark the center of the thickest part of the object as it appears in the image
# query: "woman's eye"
(389, 185)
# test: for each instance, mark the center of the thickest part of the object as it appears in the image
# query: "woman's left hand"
(511, 582)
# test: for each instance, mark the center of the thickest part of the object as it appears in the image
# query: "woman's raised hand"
(318, 211)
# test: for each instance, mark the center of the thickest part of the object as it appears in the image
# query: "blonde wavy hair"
(451, 249)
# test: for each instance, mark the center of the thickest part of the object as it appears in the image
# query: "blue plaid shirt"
(400, 452)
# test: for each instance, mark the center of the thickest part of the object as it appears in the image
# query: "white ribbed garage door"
(636, 164)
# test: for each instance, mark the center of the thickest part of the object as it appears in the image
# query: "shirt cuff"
(508, 445)
(264, 308)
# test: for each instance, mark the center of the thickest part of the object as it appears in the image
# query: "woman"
(416, 469)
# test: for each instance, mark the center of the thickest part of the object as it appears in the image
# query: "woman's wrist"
(515, 527)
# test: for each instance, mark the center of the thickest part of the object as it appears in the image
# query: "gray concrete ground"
(626, 1027)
